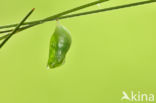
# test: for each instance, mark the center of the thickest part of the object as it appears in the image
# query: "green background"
(111, 52)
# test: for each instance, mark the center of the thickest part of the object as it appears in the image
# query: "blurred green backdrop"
(111, 52)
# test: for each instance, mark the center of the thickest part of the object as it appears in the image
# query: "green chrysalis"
(59, 45)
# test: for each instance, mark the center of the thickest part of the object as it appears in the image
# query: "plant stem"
(17, 27)
(57, 15)
(83, 13)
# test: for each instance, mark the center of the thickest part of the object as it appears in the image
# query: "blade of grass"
(58, 15)
(17, 27)
(86, 13)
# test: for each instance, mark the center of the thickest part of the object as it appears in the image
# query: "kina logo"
(138, 97)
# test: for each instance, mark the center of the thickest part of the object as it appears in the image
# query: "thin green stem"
(16, 29)
(87, 13)
(57, 15)
(107, 9)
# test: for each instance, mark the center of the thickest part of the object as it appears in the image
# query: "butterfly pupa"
(60, 43)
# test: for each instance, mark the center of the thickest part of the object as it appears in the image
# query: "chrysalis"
(59, 45)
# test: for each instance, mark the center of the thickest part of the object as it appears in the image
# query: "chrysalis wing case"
(59, 45)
